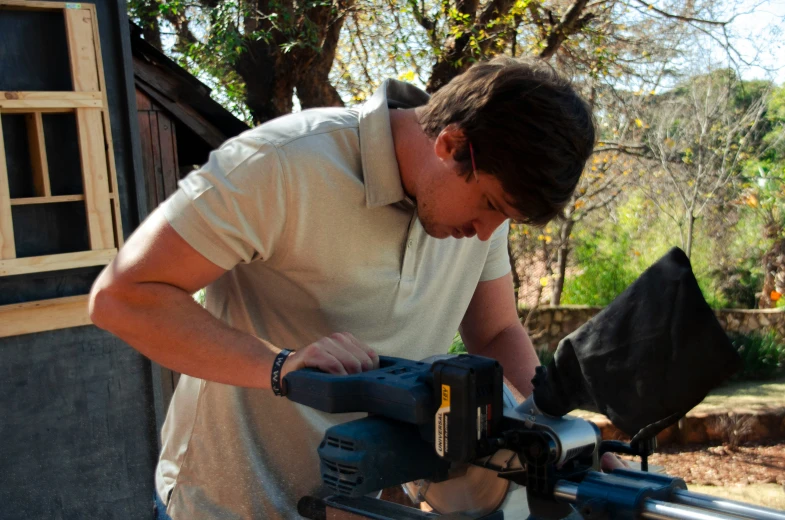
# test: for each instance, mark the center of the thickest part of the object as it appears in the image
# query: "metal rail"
(685, 505)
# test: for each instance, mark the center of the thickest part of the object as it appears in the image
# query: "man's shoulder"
(313, 122)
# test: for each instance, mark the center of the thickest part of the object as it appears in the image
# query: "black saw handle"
(399, 389)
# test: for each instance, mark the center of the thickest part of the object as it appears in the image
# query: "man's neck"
(412, 148)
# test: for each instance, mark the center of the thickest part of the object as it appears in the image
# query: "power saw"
(449, 432)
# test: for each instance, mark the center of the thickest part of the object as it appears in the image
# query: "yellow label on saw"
(445, 396)
(442, 422)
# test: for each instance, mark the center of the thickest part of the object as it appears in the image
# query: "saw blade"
(471, 489)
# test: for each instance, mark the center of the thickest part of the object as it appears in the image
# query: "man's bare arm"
(491, 328)
(144, 297)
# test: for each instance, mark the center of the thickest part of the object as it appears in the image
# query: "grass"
(767, 495)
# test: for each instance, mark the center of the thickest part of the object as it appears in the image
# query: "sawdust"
(723, 466)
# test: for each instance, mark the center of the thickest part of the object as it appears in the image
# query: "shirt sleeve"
(497, 264)
(233, 209)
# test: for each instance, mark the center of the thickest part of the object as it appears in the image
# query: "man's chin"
(436, 231)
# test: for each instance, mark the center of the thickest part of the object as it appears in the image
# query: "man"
(339, 234)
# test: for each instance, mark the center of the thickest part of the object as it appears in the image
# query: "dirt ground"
(752, 473)
(723, 466)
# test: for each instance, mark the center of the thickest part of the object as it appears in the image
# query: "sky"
(765, 26)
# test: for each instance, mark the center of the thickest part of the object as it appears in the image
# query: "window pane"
(17, 156)
(62, 153)
(47, 229)
(34, 51)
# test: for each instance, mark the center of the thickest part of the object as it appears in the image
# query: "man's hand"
(339, 353)
(610, 461)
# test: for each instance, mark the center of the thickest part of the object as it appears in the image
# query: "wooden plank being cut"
(57, 313)
(95, 179)
(35, 138)
(37, 264)
(7, 247)
(81, 49)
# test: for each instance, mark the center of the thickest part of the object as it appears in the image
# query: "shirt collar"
(380, 167)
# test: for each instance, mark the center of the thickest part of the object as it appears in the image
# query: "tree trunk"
(313, 84)
(271, 75)
(453, 60)
(565, 230)
(269, 80)
(516, 280)
(690, 231)
(152, 34)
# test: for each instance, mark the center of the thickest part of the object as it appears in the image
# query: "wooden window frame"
(88, 103)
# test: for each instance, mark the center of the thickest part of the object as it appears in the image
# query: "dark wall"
(76, 427)
(77, 421)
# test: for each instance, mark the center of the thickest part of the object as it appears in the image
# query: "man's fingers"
(339, 353)
(325, 357)
(313, 356)
(609, 462)
(367, 356)
(351, 352)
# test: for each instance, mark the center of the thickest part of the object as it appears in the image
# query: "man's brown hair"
(527, 125)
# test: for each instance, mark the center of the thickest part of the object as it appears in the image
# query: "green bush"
(604, 272)
(763, 355)
(457, 346)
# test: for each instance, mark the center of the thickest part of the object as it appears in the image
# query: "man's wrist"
(276, 382)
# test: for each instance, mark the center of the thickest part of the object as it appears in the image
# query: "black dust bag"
(646, 359)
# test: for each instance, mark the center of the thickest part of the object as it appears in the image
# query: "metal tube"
(685, 506)
(688, 498)
(657, 510)
(565, 491)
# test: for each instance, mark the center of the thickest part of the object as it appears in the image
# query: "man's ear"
(448, 142)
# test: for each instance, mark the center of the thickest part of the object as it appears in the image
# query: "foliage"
(257, 52)
(702, 132)
(199, 297)
(457, 346)
(604, 270)
(763, 355)
(616, 246)
(627, 57)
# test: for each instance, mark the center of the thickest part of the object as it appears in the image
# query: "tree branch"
(687, 19)
(570, 23)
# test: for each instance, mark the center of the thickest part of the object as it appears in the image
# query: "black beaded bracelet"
(275, 377)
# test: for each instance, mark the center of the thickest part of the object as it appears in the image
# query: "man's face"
(450, 206)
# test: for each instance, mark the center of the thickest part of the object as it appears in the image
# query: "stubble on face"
(428, 222)
(431, 214)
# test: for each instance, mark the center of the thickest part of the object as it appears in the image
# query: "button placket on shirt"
(415, 235)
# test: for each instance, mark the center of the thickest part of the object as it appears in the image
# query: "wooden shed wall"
(77, 421)
(158, 137)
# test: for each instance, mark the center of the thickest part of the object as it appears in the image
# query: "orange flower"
(775, 296)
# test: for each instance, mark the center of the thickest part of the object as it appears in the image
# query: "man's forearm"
(513, 349)
(165, 324)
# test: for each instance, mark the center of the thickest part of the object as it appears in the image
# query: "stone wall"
(548, 325)
(764, 320)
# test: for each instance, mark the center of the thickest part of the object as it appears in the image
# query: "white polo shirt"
(308, 214)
